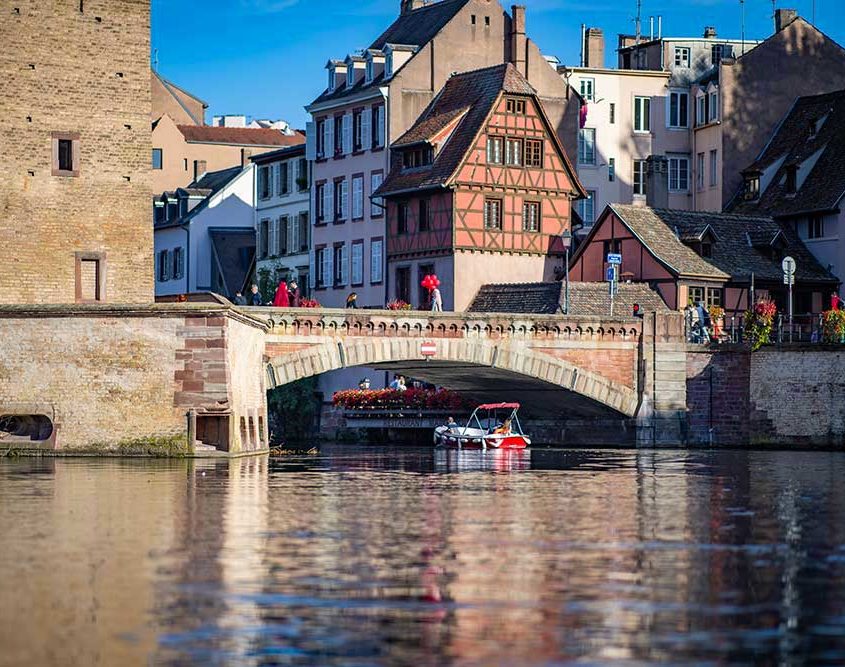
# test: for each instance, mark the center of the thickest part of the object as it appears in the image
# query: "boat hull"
(443, 437)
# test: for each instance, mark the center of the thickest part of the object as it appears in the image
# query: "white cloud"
(267, 6)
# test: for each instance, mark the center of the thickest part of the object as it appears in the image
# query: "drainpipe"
(385, 93)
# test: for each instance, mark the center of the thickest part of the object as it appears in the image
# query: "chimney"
(783, 17)
(657, 181)
(518, 40)
(594, 48)
(408, 6)
(709, 32)
(200, 167)
(246, 153)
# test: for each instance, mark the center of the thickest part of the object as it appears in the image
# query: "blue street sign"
(614, 258)
(611, 274)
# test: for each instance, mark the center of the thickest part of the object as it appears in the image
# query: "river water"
(380, 556)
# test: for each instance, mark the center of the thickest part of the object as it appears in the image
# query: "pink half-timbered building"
(480, 191)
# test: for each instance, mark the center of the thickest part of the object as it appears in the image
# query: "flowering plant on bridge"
(309, 303)
(833, 326)
(758, 323)
(389, 399)
(398, 304)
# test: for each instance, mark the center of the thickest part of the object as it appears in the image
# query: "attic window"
(388, 65)
(331, 79)
(791, 179)
(369, 72)
(752, 187)
(472, 19)
(417, 157)
(350, 76)
(516, 106)
(706, 249)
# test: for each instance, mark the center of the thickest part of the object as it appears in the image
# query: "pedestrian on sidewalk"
(255, 297)
(436, 301)
(294, 294)
(352, 300)
(282, 298)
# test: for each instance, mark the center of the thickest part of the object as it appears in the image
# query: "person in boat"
(504, 429)
(451, 424)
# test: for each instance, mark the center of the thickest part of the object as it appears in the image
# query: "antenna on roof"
(639, 19)
(155, 60)
(742, 31)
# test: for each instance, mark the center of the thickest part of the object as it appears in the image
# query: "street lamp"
(566, 239)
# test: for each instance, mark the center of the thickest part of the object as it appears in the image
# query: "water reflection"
(423, 557)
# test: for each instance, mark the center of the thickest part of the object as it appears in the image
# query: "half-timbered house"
(480, 191)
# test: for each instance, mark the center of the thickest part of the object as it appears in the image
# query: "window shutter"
(310, 140)
(366, 131)
(165, 254)
(291, 177)
(181, 265)
(328, 278)
(344, 265)
(312, 269)
(293, 235)
(329, 137)
(272, 239)
(347, 133)
(328, 202)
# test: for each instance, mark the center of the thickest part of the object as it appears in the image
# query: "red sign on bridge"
(428, 349)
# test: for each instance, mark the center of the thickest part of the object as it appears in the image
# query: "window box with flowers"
(759, 322)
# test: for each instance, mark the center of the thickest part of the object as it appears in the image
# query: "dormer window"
(791, 179)
(417, 157)
(706, 248)
(350, 76)
(331, 79)
(515, 106)
(752, 186)
(388, 65)
(369, 72)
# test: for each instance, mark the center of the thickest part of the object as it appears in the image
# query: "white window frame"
(676, 123)
(714, 168)
(368, 73)
(701, 109)
(713, 111)
(643, 184)
(376, 203)
(582, 143)
(643, 105)
(357, 262)
(682, 56)
(587, 88)
(699, 171)
(679, 173)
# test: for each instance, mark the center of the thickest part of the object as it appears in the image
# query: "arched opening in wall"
(213, 430)
(33, 428)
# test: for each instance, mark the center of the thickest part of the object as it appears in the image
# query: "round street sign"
(788, 265)
(428, 349)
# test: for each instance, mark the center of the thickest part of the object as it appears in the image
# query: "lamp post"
(566, 239)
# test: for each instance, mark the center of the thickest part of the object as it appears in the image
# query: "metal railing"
(805, 329)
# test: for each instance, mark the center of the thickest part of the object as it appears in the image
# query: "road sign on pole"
(428, 349)
(789, 265)
(614, 258)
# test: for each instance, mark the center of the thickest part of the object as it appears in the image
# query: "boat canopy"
(499, 406)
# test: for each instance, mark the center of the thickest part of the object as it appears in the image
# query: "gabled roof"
(742, 247)
(240, 136)
(415, 28)
(468, 98)
(211, 183)
(585, 299)
(820, 155)
(280, 154)
(172, 88)
(234, 253)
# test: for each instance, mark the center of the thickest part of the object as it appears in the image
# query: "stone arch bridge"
(558, 365)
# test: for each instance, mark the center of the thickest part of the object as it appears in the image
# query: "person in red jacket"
(282, 299)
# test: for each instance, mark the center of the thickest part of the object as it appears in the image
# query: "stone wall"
(81, 69)
(123, 379)
(718, 397)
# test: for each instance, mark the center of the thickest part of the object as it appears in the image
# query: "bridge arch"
(333, 354)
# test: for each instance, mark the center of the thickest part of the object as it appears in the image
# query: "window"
(642, 114)
(89, 277)
(302, 183)
(172, 209)
(264, 184)
(376, 203)
(494, 150)
(678, 109)
(402, 217)
(341, 193)
(283, 178)
(331, 79)
(752, 187)
(587, 146)
(714, 295)
(358, 197)
(319, 201)
(368, 74)
(714, 169)
(357, 263)
(424, 223)
(281, 245)
(682, 56)
(515, 106)
(699, 171)
(588, 88)
(815, 227)
(533, 152)
(423, 296)
(417, 157)
(791, 180)
(350, 75)
(157, 158)
(338, 135)
(321, 138)
(341, 266)
(323, 262)
(264, 239)
(696, 294)
(586, 208)
(513, 154)
(178, 271)
(679, 174)
(531, 216)
(640, 173)
(492, 214)
(713, 111)
(611, 169)
(612, 113)
(376, 262)
(65, 154)
(304, 228)
(701, 108)
(388, 65)
(706, 249)
(611, 246)
(378, 126)
(403, 283)
(164, 266)
(358, 130)
(717, 52)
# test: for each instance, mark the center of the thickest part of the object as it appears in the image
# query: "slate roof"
(240, 136)
(280, 154)
(234, 250)
(471, 95)
(209, 184)
(585, 299)
(416, 28)
(742, 245)
(794, 143)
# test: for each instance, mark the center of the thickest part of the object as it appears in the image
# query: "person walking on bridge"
(436, 301)
(282, 298)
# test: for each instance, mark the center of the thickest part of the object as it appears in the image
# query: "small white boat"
(485, 430)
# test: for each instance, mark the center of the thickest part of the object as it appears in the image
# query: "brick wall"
(85, 72)
(718, 397)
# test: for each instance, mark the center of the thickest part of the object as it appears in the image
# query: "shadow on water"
(381, 556)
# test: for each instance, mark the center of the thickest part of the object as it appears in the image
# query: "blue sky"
(265, 58)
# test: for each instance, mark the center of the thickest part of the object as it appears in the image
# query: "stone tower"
(75, 198)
